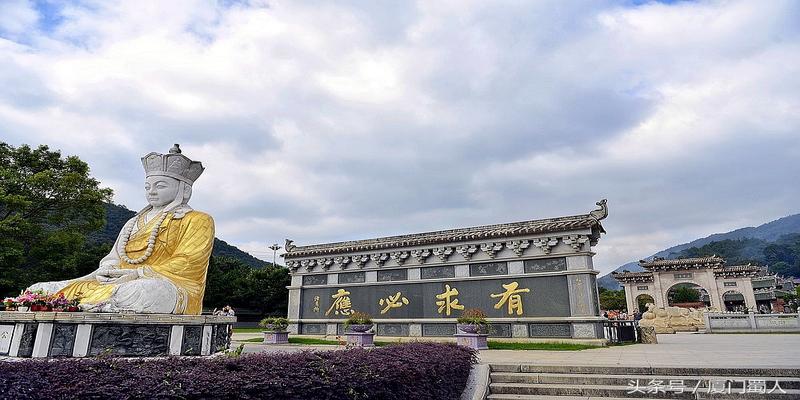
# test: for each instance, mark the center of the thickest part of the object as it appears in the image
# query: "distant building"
(727, 288)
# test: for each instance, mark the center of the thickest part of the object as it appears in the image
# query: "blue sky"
(323, 121)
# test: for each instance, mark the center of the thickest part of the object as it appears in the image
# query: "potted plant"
(10, 303)
(59, 302)
(74, 304)
(41, 301)
(472, 320)
(275, 330)
(472, 324)
(274, 324)
(356, 329)
(358, 322)
(25, 300)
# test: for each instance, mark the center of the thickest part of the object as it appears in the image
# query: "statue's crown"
(174, 164)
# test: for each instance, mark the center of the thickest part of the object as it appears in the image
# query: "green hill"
(117, 215)
(775, 244)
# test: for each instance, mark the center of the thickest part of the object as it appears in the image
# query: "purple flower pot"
(360, 327)
(469, 328)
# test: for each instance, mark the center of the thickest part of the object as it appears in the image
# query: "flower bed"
(408, 371)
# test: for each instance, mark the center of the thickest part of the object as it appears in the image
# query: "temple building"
(723, 287)
(533, 279)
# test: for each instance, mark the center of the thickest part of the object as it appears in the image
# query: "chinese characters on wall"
(510, 299)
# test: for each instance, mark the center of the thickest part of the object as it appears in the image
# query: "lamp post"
(274, 249)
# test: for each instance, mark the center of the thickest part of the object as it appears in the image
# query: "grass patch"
(248, 330)
(494, 345)
(297, 340)
(294, 340)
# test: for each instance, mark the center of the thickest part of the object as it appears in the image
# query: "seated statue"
(159, 261)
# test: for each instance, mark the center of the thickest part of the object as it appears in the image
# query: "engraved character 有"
(447, 300)
(511, 297)
(341, 303)
(398, 300)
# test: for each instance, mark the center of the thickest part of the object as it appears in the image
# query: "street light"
(274, 249)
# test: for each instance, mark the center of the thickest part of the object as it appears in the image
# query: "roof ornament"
(602, 212)
(289, 245)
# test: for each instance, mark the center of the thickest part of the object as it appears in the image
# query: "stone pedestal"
(271, 337)
(360, 339)
(647, 335)
(475, 341)
(81, 334)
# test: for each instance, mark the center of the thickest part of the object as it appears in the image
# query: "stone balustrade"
(738, 322)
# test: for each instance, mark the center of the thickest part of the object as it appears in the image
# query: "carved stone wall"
(130, 340)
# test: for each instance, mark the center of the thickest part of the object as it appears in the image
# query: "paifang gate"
(532, 279)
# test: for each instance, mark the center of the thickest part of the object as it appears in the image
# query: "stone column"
(294, 304)
(175, 340)
(713, 291)
(659, 296)
(41, 344)
(580, 295)
(205, 347)
(82, 337)
(630, 300)
(293, 310)
(747, 291)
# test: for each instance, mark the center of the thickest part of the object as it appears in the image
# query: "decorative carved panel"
(63, 340)
(192, 340)
(549, 330)
(130, 340)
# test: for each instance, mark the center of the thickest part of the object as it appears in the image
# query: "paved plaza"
(676, 350)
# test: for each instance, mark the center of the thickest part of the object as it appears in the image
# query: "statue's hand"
(116, 276)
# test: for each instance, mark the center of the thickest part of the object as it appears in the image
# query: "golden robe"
(180, 255)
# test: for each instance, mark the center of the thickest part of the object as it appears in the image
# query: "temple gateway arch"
(726, 288)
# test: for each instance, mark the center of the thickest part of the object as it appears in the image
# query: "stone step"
(605, 391)
(642, 370)
(538, 397)
(644, 380)
(543, 397)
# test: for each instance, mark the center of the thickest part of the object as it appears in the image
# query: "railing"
(620, 331)
(734, 322)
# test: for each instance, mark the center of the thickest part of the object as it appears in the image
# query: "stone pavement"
(675, 350)
(687, 350)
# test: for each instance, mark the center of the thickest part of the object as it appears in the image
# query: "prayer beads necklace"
(151, 241)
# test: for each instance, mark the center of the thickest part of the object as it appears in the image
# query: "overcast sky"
(322, 121)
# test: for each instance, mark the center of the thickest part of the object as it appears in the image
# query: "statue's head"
(169, 177)
(162, 190)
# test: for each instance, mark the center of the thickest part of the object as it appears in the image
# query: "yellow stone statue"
(160, 258)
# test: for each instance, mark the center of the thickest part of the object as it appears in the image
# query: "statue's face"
(160, 190)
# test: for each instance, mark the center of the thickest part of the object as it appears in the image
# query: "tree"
(47, 206)
(260, 290)
(685, 294)
(612, 299)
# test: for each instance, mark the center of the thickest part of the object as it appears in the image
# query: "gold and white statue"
(159, 261)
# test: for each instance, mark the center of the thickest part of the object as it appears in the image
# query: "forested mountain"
(776, 244)
(117, 215)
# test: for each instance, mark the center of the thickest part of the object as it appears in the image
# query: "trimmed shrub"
(408, 371)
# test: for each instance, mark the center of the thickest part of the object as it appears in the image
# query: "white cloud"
(17, 16)
(326, 122)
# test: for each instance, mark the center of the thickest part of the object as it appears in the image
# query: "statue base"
(83, 334)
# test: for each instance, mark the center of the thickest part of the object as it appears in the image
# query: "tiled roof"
(632, 276)
(740, 268)
(746, 270)
(497, 231)
(661, 263)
